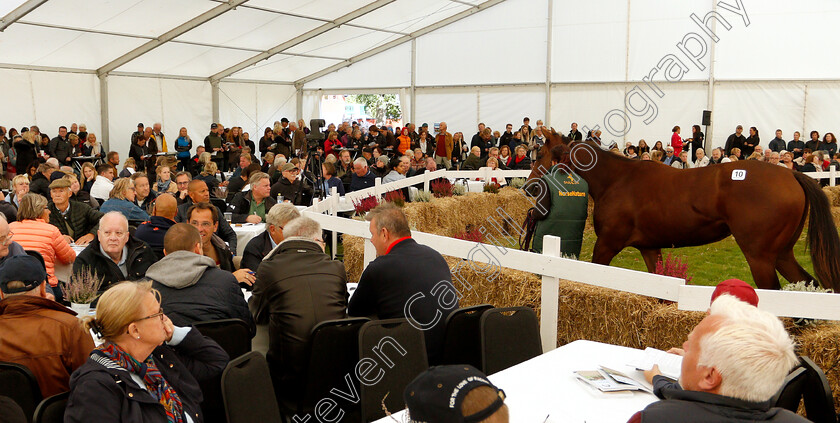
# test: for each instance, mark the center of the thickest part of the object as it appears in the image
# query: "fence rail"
(551, 268)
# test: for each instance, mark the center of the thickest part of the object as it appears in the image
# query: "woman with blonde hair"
(164, 180)
(19, 188)
(122, 200)
(129, 167)
(88, 176)
(147, 370)
(208, 175)
(33, 232)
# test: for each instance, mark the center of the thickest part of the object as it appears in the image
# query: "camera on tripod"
(315, 138)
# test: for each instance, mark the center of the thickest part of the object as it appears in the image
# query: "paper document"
(669, 364)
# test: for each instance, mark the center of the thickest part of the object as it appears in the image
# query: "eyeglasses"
(6, 240)
(158, 314)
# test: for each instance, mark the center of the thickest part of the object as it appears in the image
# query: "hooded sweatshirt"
(193, 290)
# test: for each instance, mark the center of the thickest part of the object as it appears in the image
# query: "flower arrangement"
(365, 204)
(423, 197)
(459, 189)
(396, 196)
(672, 266)
(517, 183)
(471, 234)
(441, 188)
(83, 287)
(492, 187)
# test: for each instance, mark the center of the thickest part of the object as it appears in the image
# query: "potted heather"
(365, 205)
(82, 290)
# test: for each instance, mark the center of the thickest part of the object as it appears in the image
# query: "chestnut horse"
(650, 206)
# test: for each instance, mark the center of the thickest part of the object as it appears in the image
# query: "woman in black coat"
(25, 151)
(147, 370)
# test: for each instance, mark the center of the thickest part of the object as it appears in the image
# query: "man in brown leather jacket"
(38, 333)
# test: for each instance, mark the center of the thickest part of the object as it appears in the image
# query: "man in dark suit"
(405, 280)
(259, 246)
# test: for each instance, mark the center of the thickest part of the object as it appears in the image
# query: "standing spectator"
(444, 145)
(25, 149)
(133, 376)
(76, 221)
(814, 143)
(403, 268)
(829, 144)
(59, 147)
(676, 141)
(425, 143)
(479, 140)
(403, 142)
(796, 146)
(777, 144)
(259, 246)
(537, 142)
(159, 138)
(152, 232)
(266, 142)
(183, 145)
(735, 140)
(192, 289)
(39, 333)
(751, 143)
(253, 205)
(33, 232)
(114, 254)
(139, 132)
(140, 153)
(215, 144)
(507, 136)
(298, 286)
(696, 141)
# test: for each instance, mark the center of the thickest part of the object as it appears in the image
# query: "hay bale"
(354, 256)
(665, 326)
(822, 344)
(833, 194)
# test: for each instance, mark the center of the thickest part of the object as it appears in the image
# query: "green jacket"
(566, 198)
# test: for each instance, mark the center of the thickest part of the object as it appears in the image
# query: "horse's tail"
(822, 234)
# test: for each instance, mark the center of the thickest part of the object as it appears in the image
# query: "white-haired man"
(735, 360)
(298, 286)
(262, 244)
(362, 176)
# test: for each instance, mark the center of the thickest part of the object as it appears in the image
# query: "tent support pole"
(413, 115)
(214, 89)
(299, 101)
(549, 35)
(103, 113)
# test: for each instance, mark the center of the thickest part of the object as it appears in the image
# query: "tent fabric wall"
(173, 103)
(255, 107)
(49, 100)
(457, 107)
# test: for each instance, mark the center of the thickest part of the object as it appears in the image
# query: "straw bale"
(665, 326)
(833, 194)
(354, 256)
(822, 344)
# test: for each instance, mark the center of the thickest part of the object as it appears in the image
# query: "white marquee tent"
(633, 67)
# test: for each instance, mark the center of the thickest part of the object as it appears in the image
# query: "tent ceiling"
(169, 38)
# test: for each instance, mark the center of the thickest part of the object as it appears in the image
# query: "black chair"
(51, 410)
(333, 354)
(391, 353)
(220, 204)
(234, 336)
(507, 340)
(790, 394)
(462, 342)
(819, 402)
(247, 392)
(18, 383)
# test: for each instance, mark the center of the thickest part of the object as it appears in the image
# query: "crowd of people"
(158, 220)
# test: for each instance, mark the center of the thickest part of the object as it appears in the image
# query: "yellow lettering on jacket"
(571, 194)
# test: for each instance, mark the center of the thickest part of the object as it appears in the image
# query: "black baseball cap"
(437, 394)
(284, 120)
(140, 125)
(22, 268)
(214, 125)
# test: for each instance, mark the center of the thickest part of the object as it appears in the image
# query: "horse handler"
(562, 198)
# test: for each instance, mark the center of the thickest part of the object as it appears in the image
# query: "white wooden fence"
(832, 174)
(551, 267)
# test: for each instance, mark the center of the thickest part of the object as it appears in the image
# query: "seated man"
(205, 217)
(152, 232)
(292, 188)
(114, 254)
(144, 195)
(104, 183)
(259, 246)
(253, 205)
(41, 181)
(456, 393)
(362, 176)
(192, 289)
(735, 361)
(299, 286)
(38, 333)
(474, 160)
(403, 268)
(199, 193)
(182, 181)
(75, 220)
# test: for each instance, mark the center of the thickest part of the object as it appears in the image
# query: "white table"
(244, 233)
(545, 387)
(63, 271)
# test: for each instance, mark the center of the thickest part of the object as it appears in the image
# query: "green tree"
(378, 106)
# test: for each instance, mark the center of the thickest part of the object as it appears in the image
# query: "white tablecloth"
(244, 233)
(544, 388)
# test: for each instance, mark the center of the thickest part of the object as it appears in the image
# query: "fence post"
(334, 197)
(487, 175)
(832, 171)
(377, 190)
(426, 181)
(549, 298)
(370, 253)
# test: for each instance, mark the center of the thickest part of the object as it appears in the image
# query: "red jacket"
(44, 336)
(46, 239)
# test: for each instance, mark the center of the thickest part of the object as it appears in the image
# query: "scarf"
(155, 383)
(162, 186)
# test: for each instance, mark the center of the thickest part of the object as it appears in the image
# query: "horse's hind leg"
(791, 269)
(603, 253)
(651, 256)
(763, 268)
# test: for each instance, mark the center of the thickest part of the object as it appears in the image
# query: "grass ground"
(707, 264)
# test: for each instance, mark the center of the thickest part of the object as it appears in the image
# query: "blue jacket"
(152, 233)
(183, 146)
(127, 208)
(334, 182)
(366, 181)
